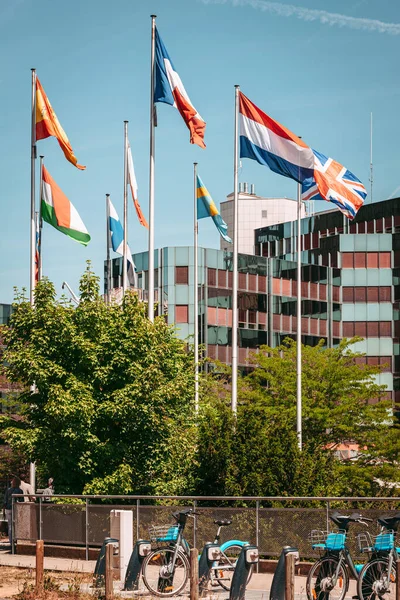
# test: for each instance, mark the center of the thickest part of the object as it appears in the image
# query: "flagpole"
(32, 465)
(33, 159)
(40, 274)
(125, 257)
(235, 258)
(371, 168)
(151, 181)
(298, 395)
(108, 263)
(196, 297)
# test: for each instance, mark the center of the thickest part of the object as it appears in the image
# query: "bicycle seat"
(223, 522)
(343, 521)
(390, 522)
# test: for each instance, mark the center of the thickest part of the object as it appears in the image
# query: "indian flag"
(59, 212)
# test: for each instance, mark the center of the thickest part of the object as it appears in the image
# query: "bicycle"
(223, 569)
(377, 579)
(329, 576)
(166, 568)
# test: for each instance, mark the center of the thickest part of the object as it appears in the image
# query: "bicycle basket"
(384, 541)
(336, 541)
(328, 540)
(364, 542)
(317, 536)
(163, 533)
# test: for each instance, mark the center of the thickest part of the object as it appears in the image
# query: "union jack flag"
(334, 183)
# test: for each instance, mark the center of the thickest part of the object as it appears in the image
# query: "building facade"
(350, 286)
(365, 253)
(253, 212)
(266, 299)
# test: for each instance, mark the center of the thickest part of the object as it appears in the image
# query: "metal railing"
(268, 522)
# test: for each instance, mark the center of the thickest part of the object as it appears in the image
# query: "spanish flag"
(48, 125)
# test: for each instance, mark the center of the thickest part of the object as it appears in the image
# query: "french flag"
(271, 144)
(169, 89)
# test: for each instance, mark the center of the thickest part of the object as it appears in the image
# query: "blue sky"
(318, 67)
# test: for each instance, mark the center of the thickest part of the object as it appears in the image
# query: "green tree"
(258, 452)
(112, 411)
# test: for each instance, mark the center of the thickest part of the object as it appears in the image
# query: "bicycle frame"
(177, 545)
(344, 558)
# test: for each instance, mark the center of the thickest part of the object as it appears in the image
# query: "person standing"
(7, 504)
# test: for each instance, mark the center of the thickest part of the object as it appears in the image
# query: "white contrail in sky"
(393, 194)
(310, 14)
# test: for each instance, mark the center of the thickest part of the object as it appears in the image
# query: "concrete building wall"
(255, 212)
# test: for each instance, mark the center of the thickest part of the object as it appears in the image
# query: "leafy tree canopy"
(112, 408)
(258, 453)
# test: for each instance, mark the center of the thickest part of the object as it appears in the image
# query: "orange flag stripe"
(48, 125)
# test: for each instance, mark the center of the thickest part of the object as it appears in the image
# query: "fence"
(255, 520)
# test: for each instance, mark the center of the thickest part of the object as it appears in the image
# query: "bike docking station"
(100, 568)
(134, 569)
(282, 587)
(245, 563)
(211, 553)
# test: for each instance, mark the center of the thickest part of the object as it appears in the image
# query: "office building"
(254, 212)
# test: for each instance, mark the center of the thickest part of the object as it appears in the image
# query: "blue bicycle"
(165, 569)
(328, 578)
(377, 580)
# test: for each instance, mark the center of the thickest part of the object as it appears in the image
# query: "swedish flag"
(206, 208)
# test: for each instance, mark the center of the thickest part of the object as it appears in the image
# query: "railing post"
(137, 519)
(40, 519)
(328, 507)
(87, 529)
(290, 560)
(194, 574)
(257, 528)
(108, 579)
(39, 566)
(195, 525)
(12, 537)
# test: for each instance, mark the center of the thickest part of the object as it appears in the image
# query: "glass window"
(372, 260)
(347, 294)
(212, 276)
(221, 278)
(360, 261)
(348, 330)
(385, 294)
(384, 260)
(182, 255)
(348, 312)
(385, 312)
(373, 294)
(219, 335)
(182, 294)
(182, 313)
(347, 260)
(182, 275)
(373, 329)
(360, 328)
(360, 294)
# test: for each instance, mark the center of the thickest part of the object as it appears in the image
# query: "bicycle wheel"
(374, 581)
(157, 574)
(225, 566)
(321, 584)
